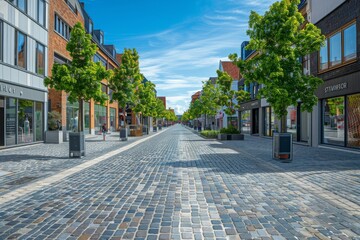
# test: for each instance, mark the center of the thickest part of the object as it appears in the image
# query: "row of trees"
(81, 80)
(281, 37)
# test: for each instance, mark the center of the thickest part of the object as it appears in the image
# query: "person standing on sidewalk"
(104, 130)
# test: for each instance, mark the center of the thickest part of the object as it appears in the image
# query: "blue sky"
(181, 42)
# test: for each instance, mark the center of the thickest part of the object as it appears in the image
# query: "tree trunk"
(124, 116)
(80, 116)
(205, 122)
(283, 128)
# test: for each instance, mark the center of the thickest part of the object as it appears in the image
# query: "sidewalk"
(22, 165)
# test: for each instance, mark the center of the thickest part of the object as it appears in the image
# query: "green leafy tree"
(227, 95)
(281, 40)
(126, 80)
(146, 99)
(81, 79)
(158, 110)
(209, 99)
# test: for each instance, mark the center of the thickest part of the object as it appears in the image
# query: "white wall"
(13, 20)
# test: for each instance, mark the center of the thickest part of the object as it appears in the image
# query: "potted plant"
(54, 133)
(230, 133)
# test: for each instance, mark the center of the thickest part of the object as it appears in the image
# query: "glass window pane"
(291, 120)
(40, 59)
(333, 121)
(10, 121)
(324, 57)
(72, 111)
(22, 5)
(112, 119)
(25, 120)
(350, 43)
(87, 116)
(335, 49)
(1, 43)
(41, 12)
(245, 121)
(39, 121)
(353, 121)
(21, 50)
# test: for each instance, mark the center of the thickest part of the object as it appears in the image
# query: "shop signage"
(7, 89)
(336, 87)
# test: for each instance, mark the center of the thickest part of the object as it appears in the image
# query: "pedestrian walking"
(104, 130)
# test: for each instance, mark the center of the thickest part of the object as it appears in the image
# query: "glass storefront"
(333, 121)
(232, 121)
(24, 121)
(10, 120)
(87, 117)
(267, 122)
(72, 114)
(245, 121)
(353, 121)
(100, 116)
(291, 121)
(112, 119)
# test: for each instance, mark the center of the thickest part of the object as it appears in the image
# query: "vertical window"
(40, 59)
(22, 5)
(324, 56)
(335, 49)
(333, 121)
(20, 51)
(350, 43)
(90, 27)
(41, 12)
(353, 121)
(61, 27)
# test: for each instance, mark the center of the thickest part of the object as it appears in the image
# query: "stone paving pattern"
(178, 185)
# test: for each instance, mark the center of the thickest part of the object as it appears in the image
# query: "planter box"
(123, 134)
(282, 146)
(145, 130)
(154, 129)
(225, 136)
(54, 137)
(76, 144)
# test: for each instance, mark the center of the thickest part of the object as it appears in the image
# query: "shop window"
(25, 121)
(39, 121)
(245, 121)
(20, 51)
(333, 121)
(87, 116)
(40, 59)
(353, 121)
(112, 119)
(41, 12)
(232, 121)
(11, 115)
(339, 48)
(291, 120)
(72, 113)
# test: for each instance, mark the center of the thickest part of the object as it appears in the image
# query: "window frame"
(37, 60)
(43, 11)
(16, 63)
(343, 61)
(61, 27)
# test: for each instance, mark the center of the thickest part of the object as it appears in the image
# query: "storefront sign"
(336, 87)
(4, 88)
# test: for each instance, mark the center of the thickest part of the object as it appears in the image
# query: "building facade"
(23, 67)
(63, 16)
(336, 119)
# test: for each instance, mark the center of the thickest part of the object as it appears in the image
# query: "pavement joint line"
(39, 185)
(316, 190)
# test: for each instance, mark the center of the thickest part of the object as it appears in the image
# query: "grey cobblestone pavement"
(178, 185)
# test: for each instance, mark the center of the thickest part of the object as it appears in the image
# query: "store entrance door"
(255, 121)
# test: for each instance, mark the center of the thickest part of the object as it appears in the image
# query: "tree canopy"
(81, 79)
(281, 40)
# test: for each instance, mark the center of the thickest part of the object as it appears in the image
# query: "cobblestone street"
(176, 185)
